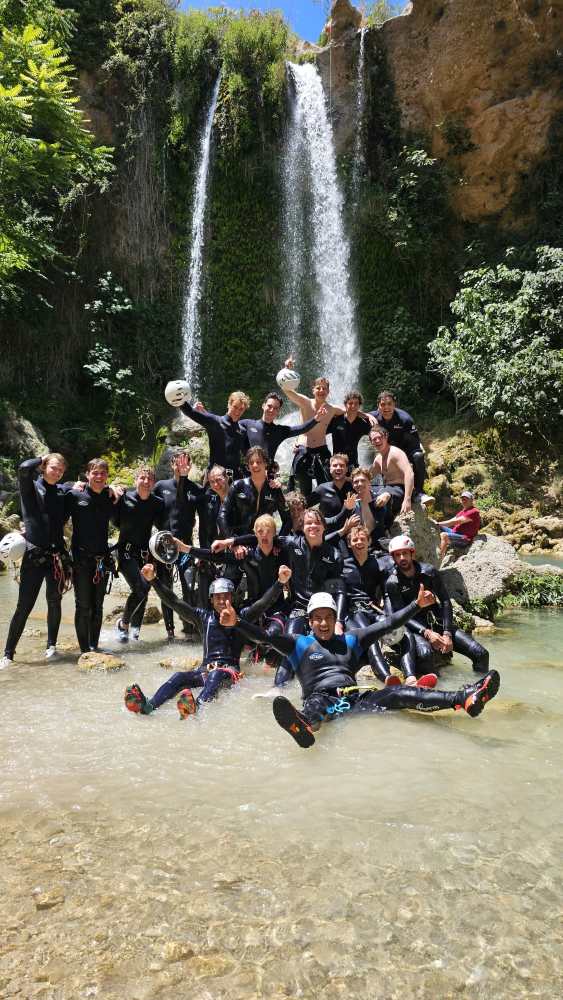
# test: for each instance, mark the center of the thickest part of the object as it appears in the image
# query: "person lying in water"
(326, 665)
(222, 645)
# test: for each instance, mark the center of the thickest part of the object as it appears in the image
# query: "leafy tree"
(504, 355)
(48, 158)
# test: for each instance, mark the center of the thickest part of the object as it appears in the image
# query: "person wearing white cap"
(427, 632)
(222, 647)
(460, 530)
(326, 665)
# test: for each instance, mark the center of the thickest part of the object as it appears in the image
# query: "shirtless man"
(311, 463)
(398, 477)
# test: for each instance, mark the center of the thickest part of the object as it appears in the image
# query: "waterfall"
(330, 250)
(294, 185)
(191, 331)
(358, 161)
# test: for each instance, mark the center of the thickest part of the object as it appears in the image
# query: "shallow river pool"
(403, 856)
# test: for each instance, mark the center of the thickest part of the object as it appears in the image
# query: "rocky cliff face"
(479, 81)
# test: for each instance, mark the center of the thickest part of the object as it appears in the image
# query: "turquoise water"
(404, 856)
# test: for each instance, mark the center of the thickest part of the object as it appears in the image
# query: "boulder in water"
(484, 572)
(100, 661)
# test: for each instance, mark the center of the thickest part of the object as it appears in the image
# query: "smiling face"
(386, 406)
(53, 471)
(338, 468)
(221, 601)
(256, 465)
(378, 439)
(237, 404)
(321, 389)
(97, 477)
(352, 407)
(322, 622)
(313, 527)
(144, 483)
(270, 409)
(361, 486)
(359, 540)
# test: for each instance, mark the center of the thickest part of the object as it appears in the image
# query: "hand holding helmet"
(177, 392)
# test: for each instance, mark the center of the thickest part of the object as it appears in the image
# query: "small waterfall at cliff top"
(295, 179)
(330, 251)
(191, 331)
(358, 160)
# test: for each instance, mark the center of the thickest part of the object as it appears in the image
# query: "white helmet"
(321, 600)
(163, 546)
(177, 392)
(12, 546)
(400, 543)
(287, 378)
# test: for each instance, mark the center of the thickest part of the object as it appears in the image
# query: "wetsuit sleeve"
(209, 556)
(26, 479)
(269, 597)
(441, 593)
(289, 432)
(168, 597)
(248, 540)
(365, 636)
(205, 419)
(337, 521)
(284, 644)
(283, 511)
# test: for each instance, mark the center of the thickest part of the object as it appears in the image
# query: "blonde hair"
(265, 521)
(362, 470)
(239, 397)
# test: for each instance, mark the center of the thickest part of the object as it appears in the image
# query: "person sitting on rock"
(326, 665)
(330, 496)
(460, 530)
(403, 434)
(427, 632)
(392, 464)
(222, 646)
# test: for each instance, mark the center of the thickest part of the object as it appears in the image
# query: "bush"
(503, 357)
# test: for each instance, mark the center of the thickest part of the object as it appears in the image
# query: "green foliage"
(457, 135)
(533, 590)
(252, 97)
(504, 355)
(378, 12)
(49, 159)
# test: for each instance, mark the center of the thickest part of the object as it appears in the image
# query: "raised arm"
(201, 417)
(26, 479)
(168, 597)
(388, 623)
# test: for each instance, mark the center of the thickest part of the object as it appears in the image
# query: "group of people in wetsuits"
(314, 596)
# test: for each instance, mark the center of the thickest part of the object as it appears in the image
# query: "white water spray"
(330, 247)
(295, 182)
(358, 161)
(191, 330)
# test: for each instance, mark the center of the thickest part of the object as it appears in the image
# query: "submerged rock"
(152, 615)
(180, 663)
(100, 661)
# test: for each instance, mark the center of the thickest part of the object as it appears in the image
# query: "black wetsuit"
(324, 667)
(183, 499)
(365, 584)
(91, 514)
(330, 498)
(46, 558)
(135, 519)
(403, 433)
(416, 652)
(269, 436)
(244, 503)
(227, 439)
(222, 646)
(346, 435)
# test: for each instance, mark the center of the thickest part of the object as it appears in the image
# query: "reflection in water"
(401, 857)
